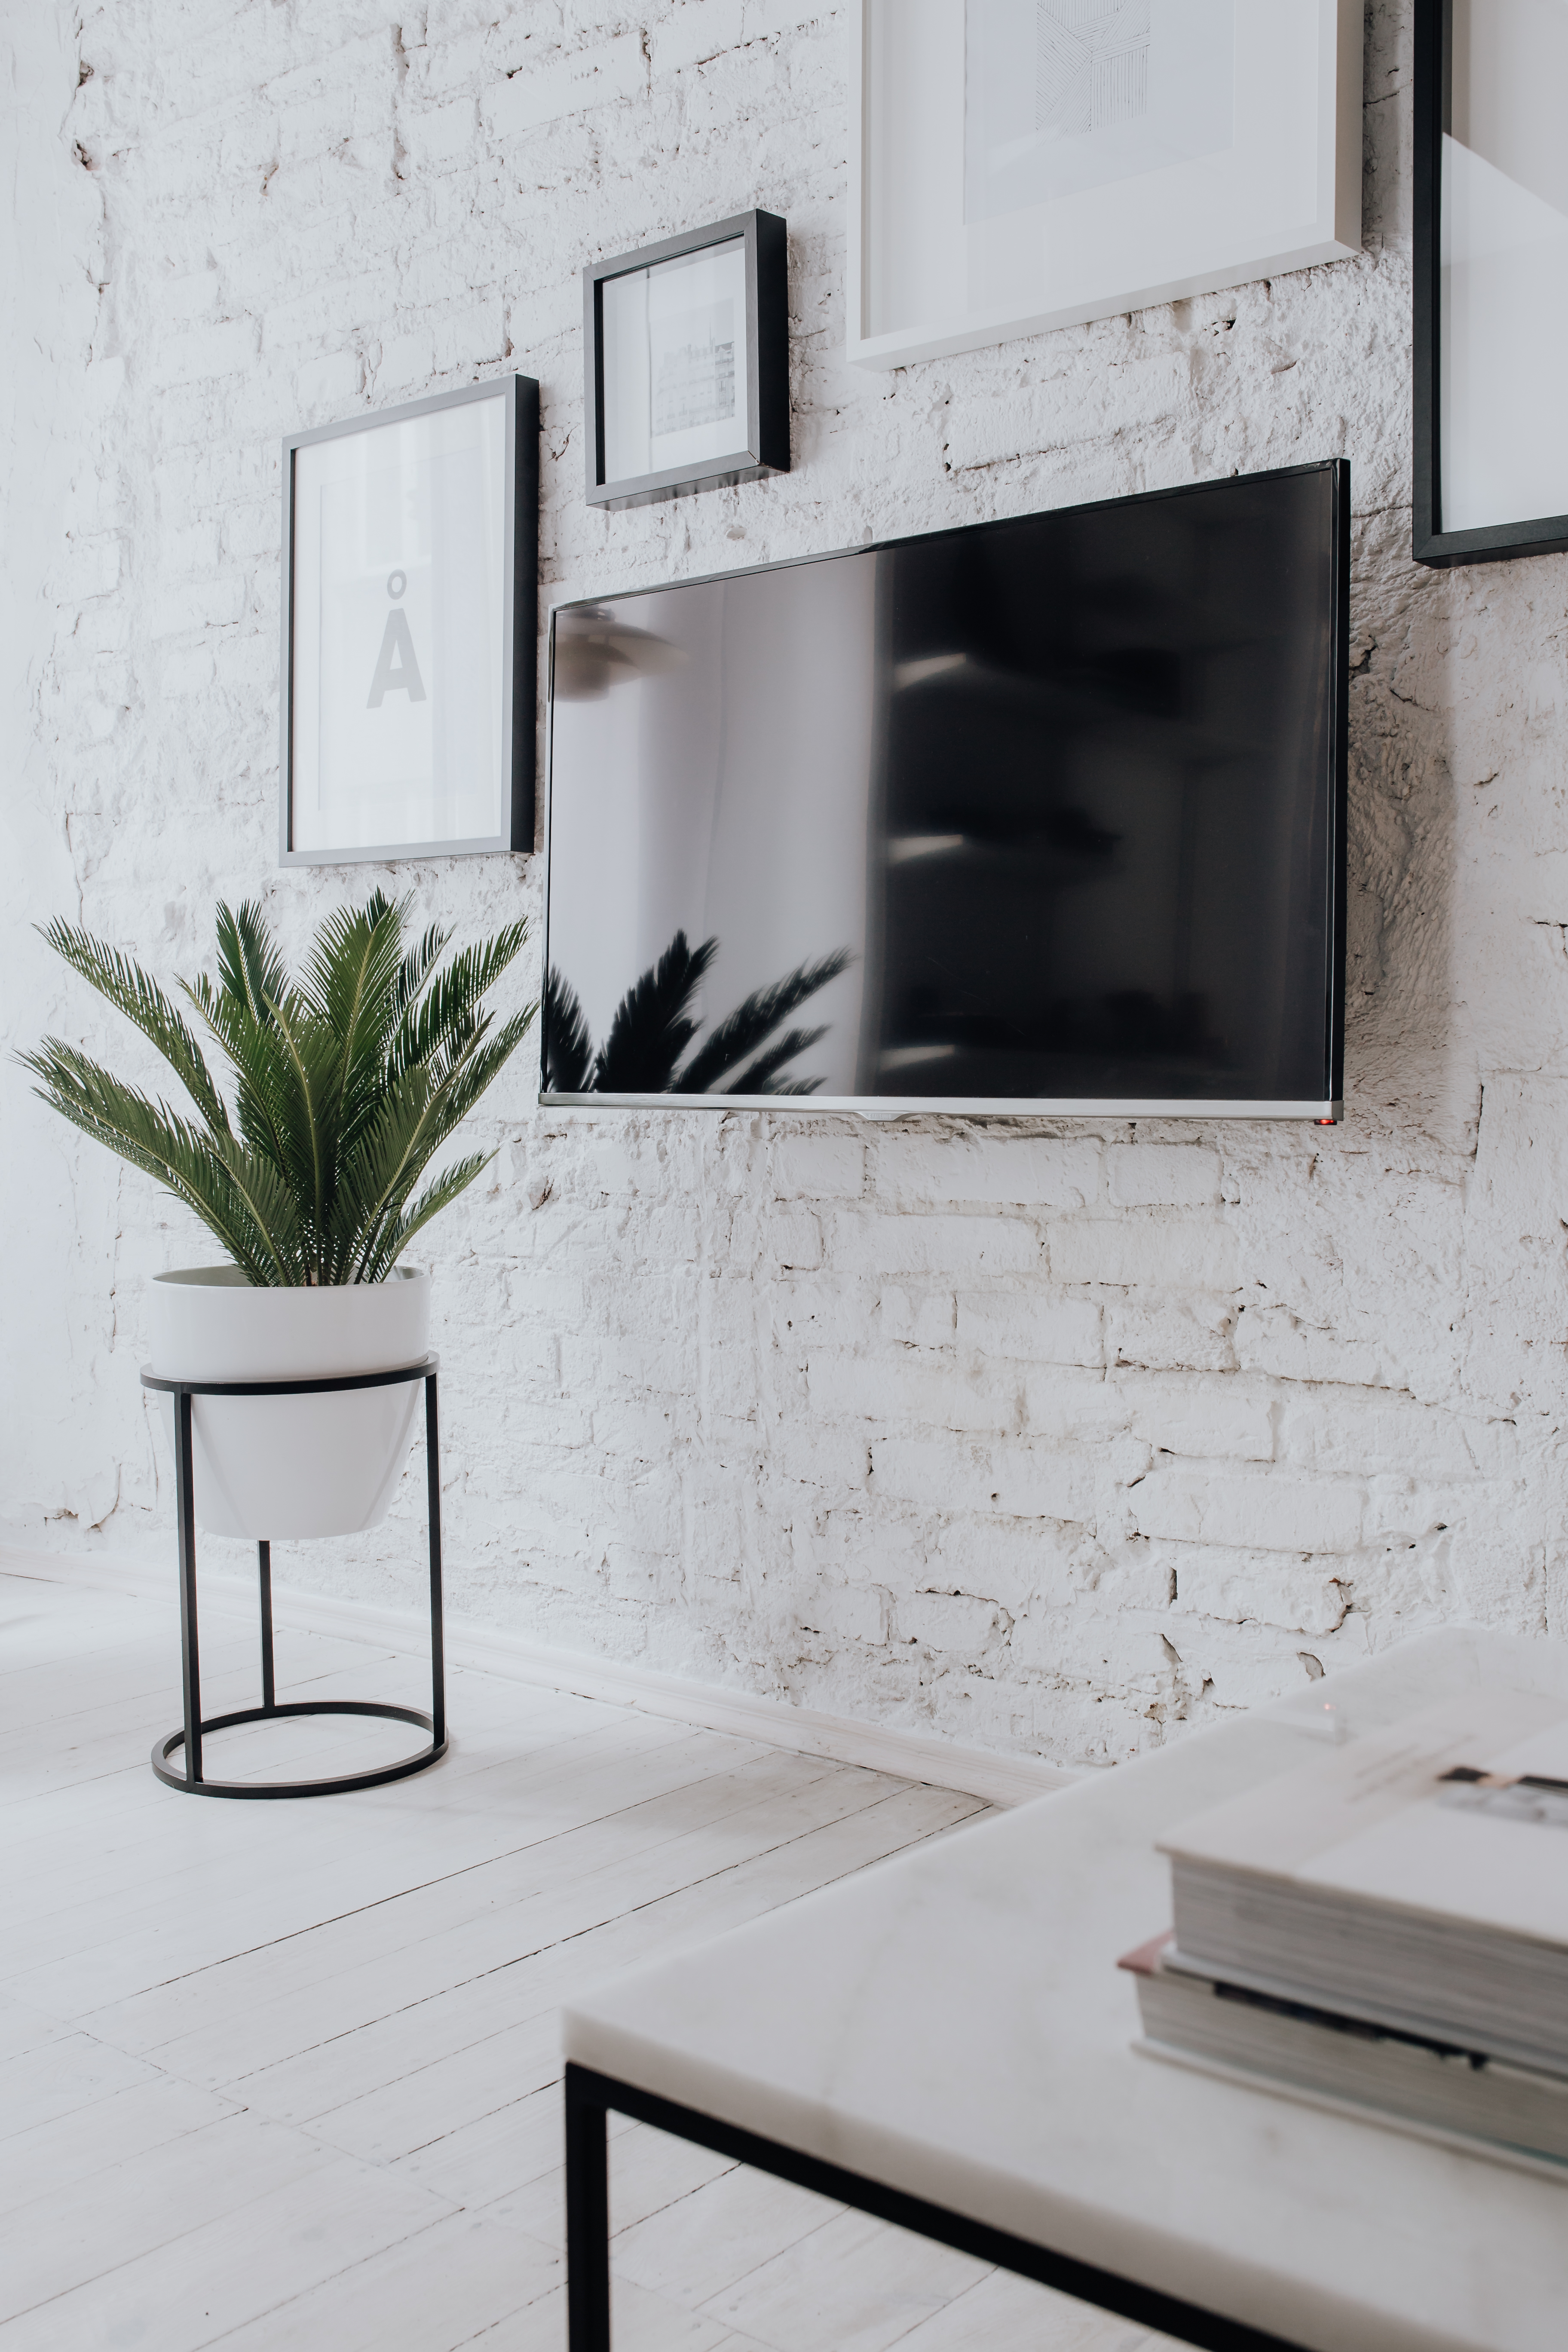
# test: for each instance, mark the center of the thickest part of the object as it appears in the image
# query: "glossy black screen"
(1039, 810)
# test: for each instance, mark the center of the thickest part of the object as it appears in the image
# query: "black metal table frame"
(192, 1781)
(591, 2097)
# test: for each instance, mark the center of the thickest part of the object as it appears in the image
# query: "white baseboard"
(885, 1747)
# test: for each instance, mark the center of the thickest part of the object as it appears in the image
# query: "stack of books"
(1386, 1929)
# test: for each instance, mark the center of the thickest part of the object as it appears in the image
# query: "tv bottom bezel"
(878, 1107)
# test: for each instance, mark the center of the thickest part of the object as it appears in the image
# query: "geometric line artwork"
(1092, 65)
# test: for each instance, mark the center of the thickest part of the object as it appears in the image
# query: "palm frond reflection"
(654, 1028)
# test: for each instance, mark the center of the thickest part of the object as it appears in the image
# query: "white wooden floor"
(287, 2075)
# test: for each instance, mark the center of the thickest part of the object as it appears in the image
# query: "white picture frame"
(1222, 143)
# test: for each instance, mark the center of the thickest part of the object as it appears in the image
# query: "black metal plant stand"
(192, 1780)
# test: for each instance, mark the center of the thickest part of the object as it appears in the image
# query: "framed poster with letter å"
(1021, 164)
(410, 626)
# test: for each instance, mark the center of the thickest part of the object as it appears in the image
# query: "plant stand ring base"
(190, 1779)
(163, 1748)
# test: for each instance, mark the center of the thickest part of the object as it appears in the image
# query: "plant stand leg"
(438, 1652)
(587, 2219)
(190, 1660)
(269, 1685)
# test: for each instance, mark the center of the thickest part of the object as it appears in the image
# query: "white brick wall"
(1047, 1439)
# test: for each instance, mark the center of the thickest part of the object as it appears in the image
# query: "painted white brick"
(906, 1389)
(220, 350)
(406, 362)
(694, 31)
(544, 91)
(1132, 1250)
(764, 18)
(1274, 1339)
(1077, 1407)
(195, 296)
(1035, 1328)
(818, 1167)
(471, 337)
(850, 1612)
(1236, 1586)
(989, 430)
(1010, 1561)
(1218, 1417)
(932, 1245)
(923, 1319)
(918, 1171)
(1162, 1175)
(1349, 1431)
(1190, 1334)
(189, 671)
(1265, 1513)
(795, 1239)
(440, 136)
(947, 1621)
(86, 568)
(1016, 1480)
(200, 604)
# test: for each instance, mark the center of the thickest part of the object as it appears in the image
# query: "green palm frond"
(157, 1140)
(435, 1197)
(350, 983)
(256, 1055)
(437, 1024)
(346, 1083)
(419, 1118)
(140, 998)
(416, 967)
(251, 970)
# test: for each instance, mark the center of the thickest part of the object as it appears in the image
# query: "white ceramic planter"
(285, 1467)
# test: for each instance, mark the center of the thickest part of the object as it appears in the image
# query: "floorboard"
(287, 2075)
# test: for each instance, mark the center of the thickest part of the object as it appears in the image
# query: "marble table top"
(953, 2024)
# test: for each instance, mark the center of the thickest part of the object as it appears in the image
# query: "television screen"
(1044, 814)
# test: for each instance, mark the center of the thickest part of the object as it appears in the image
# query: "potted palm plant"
(348, 1079)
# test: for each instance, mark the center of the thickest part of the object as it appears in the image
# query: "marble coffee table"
(945, 2041)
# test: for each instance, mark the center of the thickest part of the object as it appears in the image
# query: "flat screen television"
(1038, 816)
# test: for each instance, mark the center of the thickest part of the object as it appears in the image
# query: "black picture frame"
(767, 448)
(1430, 543)
(520, 630)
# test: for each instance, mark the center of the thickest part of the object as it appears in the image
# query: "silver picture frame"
(505, 685)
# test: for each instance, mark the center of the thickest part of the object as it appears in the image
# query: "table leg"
(269, 1683)
(437, 1653)
(587, 2219)
(591, 2096)
(186, 1514)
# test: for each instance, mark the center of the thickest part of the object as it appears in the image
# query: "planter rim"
(233, 1278)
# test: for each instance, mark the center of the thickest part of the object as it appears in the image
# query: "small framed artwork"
(1491, 280)
(1023, 164)
(686, 363)
(410, 624)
